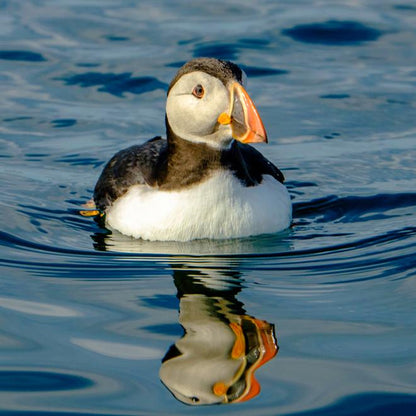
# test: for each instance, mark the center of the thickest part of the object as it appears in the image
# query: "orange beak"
(245, 121)
(268, 350)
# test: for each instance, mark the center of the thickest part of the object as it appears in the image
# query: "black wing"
(249, 165)
(132, 166)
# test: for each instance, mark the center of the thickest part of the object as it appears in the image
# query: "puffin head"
(208, 104)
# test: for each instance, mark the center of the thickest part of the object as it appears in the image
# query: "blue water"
(96, 323)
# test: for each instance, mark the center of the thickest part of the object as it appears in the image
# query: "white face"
(196, 118)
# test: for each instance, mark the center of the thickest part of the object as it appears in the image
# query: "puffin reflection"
(215, 360)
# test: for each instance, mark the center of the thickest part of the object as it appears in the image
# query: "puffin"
(204, 181)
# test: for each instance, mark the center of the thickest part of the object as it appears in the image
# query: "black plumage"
(177, 165)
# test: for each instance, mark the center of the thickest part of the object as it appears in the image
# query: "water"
(88, 317)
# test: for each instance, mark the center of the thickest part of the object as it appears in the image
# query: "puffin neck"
(187, 162)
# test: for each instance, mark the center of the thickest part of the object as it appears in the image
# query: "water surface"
(322, 315)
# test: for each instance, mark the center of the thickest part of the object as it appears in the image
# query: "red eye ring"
(198, 91)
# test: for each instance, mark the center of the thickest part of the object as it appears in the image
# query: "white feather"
(220, 207)
(195, 119)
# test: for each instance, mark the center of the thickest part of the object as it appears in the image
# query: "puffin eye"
(198, 91)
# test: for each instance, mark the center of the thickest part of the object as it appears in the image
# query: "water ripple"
(256, 71)
(354, 208)
(21, 56)
(368, 404)
(63, 122)
(228, 50)
(333, 32)
(30, 381)
(115, 84)
(357, 260)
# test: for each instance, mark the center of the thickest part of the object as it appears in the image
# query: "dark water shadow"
(405, 7)
(116, 38)
(257, 71)
(54, 413)
(228, 50)
(115, 84)
(27, 56)
(368, 404)
(354, 208)
(63, 122)
(333, 32)
(31, 381)
(334, 96)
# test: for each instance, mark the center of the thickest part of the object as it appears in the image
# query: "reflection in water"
(113, 241)
(215, 360)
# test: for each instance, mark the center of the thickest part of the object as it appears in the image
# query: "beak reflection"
(215, 360)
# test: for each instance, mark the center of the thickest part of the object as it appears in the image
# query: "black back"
(135, 165)
(178, 166)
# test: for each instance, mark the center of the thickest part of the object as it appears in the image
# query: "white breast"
(220, 207)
